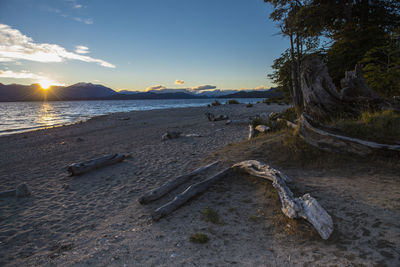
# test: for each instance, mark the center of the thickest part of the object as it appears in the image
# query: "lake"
(18, 117)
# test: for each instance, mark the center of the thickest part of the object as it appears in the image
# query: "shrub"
(381, 126)
(232, 101)
(249, 105)
(216, 103)
(199, 238)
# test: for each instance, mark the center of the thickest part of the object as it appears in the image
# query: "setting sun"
(45, 84)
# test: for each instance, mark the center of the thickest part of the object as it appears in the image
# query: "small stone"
(173, 255)
(79, 139)
(23, 190)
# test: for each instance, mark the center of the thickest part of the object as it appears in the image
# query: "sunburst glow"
(45, 84)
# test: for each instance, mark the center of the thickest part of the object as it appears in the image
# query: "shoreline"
(84, 118)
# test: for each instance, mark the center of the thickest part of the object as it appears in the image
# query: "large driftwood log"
(251, 131)
(305, 207)
(171, 185)
(80, 168)
(189, 193)
(337, 143)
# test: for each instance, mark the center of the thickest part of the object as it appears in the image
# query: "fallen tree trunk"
(169, 186)
(337, 143)
(189, 193)
(305, 207)
(80, 168)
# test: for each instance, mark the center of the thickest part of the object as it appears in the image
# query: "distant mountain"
(33, 92)
(253, 94)
(89, 91)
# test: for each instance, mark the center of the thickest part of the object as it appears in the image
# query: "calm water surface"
(25, 116)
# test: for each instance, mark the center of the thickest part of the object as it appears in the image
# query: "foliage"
(232, 101)
(215, 103)
(382, 69)
(351, 31)
(249, 105)
(199, 238)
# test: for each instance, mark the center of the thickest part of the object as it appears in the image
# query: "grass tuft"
(199, 238)
(216, 103)
(211, 215)
(232, 101)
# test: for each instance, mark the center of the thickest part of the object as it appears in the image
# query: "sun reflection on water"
(46, 115)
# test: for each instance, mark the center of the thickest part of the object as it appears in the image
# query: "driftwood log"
(189, 193)
(212, 117)
(22, 190)
(80, 168)
(330, 142)
(171, 185)
(251, 131)
(305, 207)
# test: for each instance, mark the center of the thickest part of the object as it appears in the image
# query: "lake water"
(25, 116)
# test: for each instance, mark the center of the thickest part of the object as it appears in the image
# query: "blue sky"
(138, 44)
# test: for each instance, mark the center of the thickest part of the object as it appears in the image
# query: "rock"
(23, 190)
(262, 128)
(79, 139)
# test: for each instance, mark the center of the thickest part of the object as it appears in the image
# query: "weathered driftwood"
(173, 135)
(305, 207)
(189, 193)
(22, 190)
(337, 143)
(80, 168)
(171, 185)
(354, 85)
(244, 121)
(212, 117)
(251, 131)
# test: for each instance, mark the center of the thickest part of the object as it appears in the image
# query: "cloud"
(180, 82)
(157, 87)
(86, 21)
(80, 49)
(16, 46)
(203, 87)
(26, 75)
(77, 6)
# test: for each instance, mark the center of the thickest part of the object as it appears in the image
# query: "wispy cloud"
(86, 21)
(77, 6)
(80, 49)
(16, 46)
(203, 87)
(180, 82)
(26, 75)
(157, 87)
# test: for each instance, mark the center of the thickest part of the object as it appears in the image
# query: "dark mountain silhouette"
(253, 94)
(89, 91)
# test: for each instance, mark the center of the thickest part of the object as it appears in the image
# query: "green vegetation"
(199, 238)
(383, 126)
(249, 105)
(215, 103)
(343, 34)
(211, 215)
(232, 101)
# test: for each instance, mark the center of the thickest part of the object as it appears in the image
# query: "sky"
(139, 44)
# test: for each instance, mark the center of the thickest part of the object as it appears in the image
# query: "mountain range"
(89, 91)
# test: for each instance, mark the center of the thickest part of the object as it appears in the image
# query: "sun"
(45, 84)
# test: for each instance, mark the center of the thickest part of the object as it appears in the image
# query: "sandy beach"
(95, 219)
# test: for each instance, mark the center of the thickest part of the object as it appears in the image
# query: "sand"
(95, 219)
